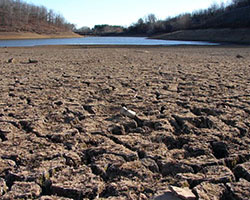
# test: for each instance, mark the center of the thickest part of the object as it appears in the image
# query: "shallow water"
(98, 41)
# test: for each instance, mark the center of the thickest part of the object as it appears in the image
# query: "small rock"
(122, 189)
(150, 164)
(191, 178)
(6, 165)
(12, 60)
(243, 171)
(171, 167)
(212, 174)
(58, 103)
(72, 159)
(129, 125)
(11, 94)
(110, 148)
(138, 130)
(232, 160)
(173, 87)
(99, 164)
(33, 61)
(12, 177)
(202, 122)
(89, 109)
(239, 190)
(23, 190)
(69, 118)
(148, 123)
(139, 121)
(195, 149)
(165, 87)
(183, 193)
(206, 111)
(207, 191)
(3, 135)
(132, 170)
(200, 162)
(239, 56)
(56, 138)
(117, 130)
(180, 125)
(76, 183)
(218, 174)
(26, 125)
(165, 195)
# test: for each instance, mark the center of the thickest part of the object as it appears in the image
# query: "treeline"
(16, 15)
(102, 29)
(234, 15)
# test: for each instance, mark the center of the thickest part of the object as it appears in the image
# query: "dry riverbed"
(32, 35)
(62, 135)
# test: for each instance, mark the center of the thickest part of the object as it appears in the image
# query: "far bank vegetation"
(235, 14)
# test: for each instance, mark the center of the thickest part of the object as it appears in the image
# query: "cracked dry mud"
(62, 135)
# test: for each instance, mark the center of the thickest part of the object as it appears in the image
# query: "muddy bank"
(239, 36)
(62, 135)
(29, 35)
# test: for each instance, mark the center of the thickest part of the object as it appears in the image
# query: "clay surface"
(62, 135)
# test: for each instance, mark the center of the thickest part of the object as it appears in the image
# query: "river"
(98, 41)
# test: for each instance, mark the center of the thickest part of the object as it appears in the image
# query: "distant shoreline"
(223, 36)
(236, 36)
(30, 35)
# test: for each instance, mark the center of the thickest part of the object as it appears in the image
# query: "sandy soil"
(62, 135)
(29, 35)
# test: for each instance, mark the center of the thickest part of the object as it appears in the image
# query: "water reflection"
(98, 41)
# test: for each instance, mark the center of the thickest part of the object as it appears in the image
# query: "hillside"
(217, 23)
(236, 18)
(19, 19)
(230, 26)
(239, 36)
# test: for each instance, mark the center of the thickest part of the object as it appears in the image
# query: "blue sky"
(120, 12)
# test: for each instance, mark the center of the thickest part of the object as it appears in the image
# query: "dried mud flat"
(62, 135)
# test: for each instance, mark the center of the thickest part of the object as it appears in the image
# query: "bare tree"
(151, 19)
(231, 15)
(17, 14)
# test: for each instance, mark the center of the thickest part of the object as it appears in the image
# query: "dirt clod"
(62, 135)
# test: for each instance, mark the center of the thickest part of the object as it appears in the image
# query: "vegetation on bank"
(234, 15)
(102, 29)
(222, 35)
(19, 16)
